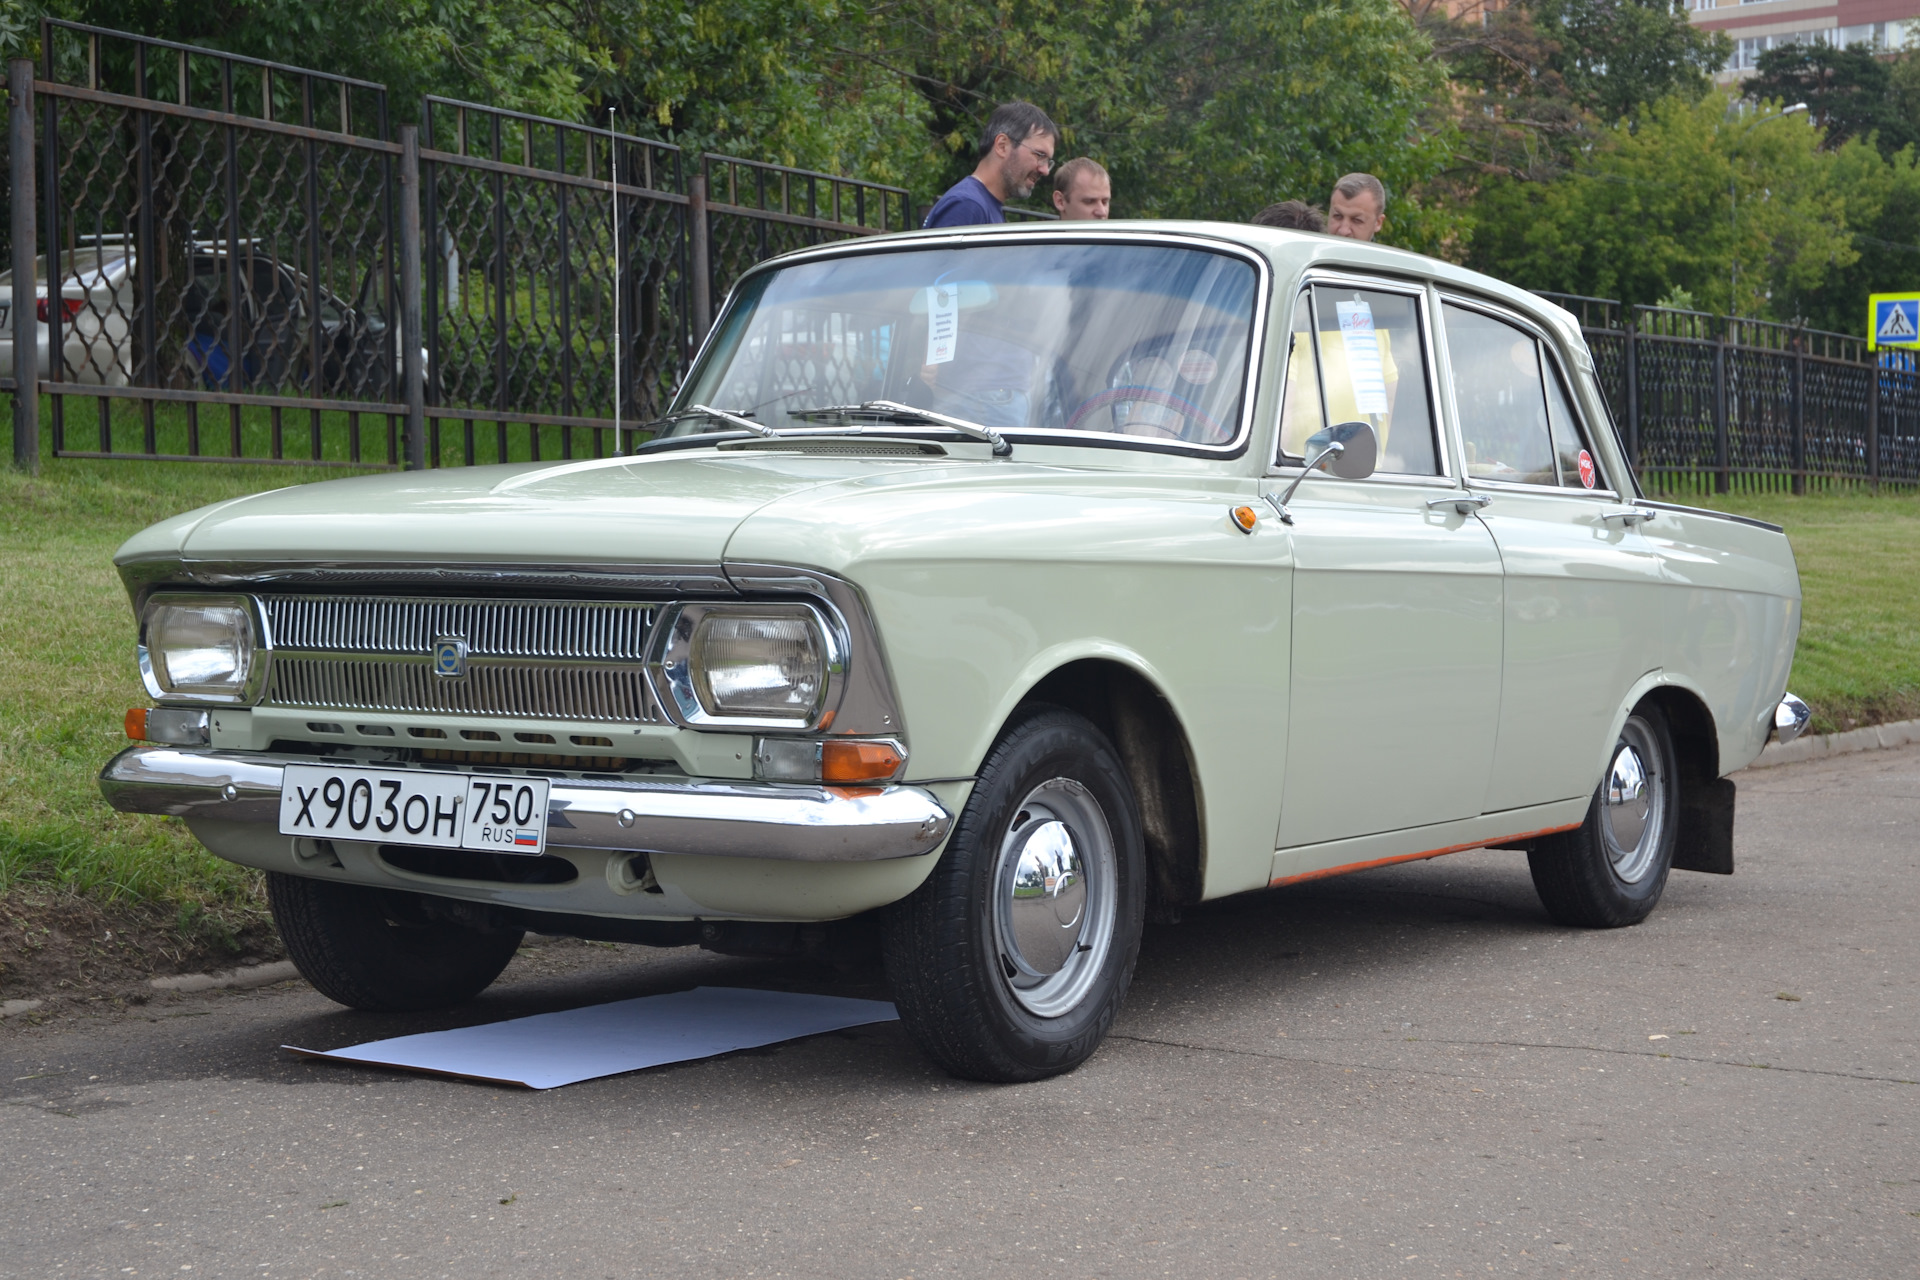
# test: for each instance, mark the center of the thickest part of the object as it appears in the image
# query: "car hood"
(673, 509)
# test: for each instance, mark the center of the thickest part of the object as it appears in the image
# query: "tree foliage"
(1849, 92)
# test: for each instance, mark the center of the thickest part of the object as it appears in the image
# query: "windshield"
(1136, 340)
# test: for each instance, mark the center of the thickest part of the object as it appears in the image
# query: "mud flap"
(1705, 839)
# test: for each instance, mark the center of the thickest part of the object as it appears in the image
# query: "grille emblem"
(450, 657)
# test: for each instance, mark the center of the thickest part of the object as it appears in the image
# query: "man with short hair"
(1082, 190)
(1016, 150)
(1296, 214)
(1358, 207)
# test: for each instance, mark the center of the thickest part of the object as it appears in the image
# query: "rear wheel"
(1011, 961)
(1611, 870)
(373, 950)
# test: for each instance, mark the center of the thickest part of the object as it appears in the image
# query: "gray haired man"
(1358, 207)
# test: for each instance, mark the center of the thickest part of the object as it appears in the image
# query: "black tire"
(1612, 869)
(1054, 801)
(377, 951)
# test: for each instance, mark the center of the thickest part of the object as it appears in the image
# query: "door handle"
(1464, 503)
(1628, 517)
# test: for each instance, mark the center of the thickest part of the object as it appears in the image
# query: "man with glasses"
(1016, 150)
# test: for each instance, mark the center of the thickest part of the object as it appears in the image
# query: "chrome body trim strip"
(648, 580)
(801, 823)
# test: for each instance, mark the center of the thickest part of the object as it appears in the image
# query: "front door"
(1397, 594)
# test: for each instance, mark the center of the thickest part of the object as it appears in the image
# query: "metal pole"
(613, 161)
(701, 247)
(412, 368)
(26, 336)
(1633, 390)
(1722, 479)
(1873, 420)
(1800, 413)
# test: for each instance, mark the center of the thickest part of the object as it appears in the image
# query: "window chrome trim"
(259, 663)
(1256, 334)
(1437, 421)
(1544, 335)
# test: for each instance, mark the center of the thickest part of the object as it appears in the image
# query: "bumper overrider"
(803, 823)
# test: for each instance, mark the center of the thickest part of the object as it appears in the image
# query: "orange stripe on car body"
(1325, 872)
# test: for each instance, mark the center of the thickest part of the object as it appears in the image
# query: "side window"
(1300, 411)
(1502, 398)
(1372, 368)
(1579, 467)
(1516, 419)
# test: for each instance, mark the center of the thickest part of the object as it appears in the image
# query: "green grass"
(67, 673)
(1859, 555)
(67, 677)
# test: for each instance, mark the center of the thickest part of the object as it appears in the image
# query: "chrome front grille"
(606, 631)
(536, 659)
(618, 694)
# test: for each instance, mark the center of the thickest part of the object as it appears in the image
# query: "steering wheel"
(1210, 431)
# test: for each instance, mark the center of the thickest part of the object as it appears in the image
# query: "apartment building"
(1759, 25)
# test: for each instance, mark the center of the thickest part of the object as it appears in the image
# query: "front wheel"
(1611, 870)
(1010, 962)
(369, 949)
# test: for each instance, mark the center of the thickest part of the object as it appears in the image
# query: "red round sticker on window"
(1586, 468)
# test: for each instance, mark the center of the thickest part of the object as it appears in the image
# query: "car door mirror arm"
(1349, 449)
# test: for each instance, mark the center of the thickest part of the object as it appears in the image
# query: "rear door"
(1579, 577)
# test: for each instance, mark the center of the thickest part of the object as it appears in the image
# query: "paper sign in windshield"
(1363, 356)
(943, 322)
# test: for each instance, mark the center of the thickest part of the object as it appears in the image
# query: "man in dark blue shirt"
(1016, 150)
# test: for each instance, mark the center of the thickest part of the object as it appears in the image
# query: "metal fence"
(1719, 404)
(254, 263)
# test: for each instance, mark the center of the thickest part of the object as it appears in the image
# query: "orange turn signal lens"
(859, 761)
(136, 723)
(1246, 518)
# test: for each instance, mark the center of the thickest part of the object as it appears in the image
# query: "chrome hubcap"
(1633, 806)
(1054, 897)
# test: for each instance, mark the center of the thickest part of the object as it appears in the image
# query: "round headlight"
(198, 647)
(766, 664)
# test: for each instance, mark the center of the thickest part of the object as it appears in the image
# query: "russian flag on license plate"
(526, 839)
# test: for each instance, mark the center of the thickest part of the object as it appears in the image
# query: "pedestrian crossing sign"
(1893, 320)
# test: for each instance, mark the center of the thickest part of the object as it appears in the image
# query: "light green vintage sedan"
(987, 591)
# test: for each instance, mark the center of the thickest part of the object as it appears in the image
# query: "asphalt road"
(1406, 1072)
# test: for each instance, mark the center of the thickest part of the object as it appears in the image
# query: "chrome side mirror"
(1346, 449)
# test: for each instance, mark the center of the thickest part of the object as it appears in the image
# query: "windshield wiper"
(894, 411)
(731, 419)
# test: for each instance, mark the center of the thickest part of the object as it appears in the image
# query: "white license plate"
(494, 813)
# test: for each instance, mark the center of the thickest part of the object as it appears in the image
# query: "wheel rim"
(1633, 803)
(1054, 898)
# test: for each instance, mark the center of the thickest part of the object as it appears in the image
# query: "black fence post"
(26, 337)
(1799, 413)
(1722, 476)
(700, 251)
(1631, 323)
(1873, 420)
(412, 367)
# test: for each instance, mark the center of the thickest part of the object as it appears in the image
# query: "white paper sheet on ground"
(551, 1049)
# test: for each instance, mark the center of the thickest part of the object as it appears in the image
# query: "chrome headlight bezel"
(253, 650)
(677, 683)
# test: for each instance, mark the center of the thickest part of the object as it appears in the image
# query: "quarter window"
(1357, 356)
(1516, 419)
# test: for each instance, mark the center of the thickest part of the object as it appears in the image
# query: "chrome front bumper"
(725, 819)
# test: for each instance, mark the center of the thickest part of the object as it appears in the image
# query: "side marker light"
(136, 723)
(1245, 518)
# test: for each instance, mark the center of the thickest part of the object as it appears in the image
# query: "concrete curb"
(241, 979)
(1872, 738)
